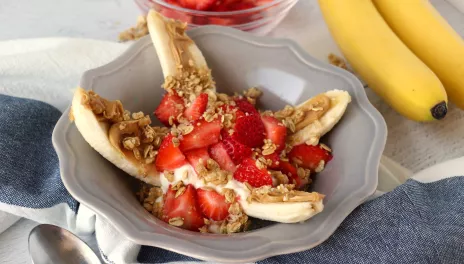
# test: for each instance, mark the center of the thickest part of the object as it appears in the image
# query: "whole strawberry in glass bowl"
(256, 16)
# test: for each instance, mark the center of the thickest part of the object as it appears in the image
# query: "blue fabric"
(415, 223)
(29, 169)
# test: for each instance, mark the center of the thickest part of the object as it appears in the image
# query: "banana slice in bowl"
(176, 51)
(315, 117)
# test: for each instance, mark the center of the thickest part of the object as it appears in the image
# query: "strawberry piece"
(184, 206)
(197, 156)
(239, 114)
(171, 13)
(219, 154)
(212, 204)
(308, 156)
(249, 130)
(292, 173)
(288, 169)
(197, 108)
(275, 160)
(204, 134)
(197, 4)
(275, 131)
(169, 157)
(248, 172)
(242, 6)
(170, 105)
(220, 21)
(245, 106)
(236, 150)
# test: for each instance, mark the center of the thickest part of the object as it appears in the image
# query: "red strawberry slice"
(239, 114)
(171, 13)
(197, 156)
(249, 130)
(169, 157)
(275, 160)
(170, 105)
(197, 4)
(308, 156)
(245, 106)
(219, 154)
(236, 150)
(242, 6)
(288, 169)
(248, 172)
(184, 206)
(204, 134)
(197, 108)
(275, 131)
(220, 21)
(212, 204)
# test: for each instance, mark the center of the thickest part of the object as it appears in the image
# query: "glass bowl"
(258, 20)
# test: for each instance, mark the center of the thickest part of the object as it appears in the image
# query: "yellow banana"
(431, 38)
(383, 61)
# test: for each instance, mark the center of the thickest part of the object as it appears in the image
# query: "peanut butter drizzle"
(313, 110)
(104, 109)
(179, 44)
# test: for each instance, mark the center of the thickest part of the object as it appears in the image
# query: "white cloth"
(48, 70)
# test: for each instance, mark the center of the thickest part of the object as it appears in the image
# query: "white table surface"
(105, 19)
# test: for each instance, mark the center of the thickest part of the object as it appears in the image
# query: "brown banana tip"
(439, 110)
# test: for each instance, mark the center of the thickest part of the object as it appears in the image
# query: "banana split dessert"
(218, 160)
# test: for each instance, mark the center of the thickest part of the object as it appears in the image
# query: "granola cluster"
(136, 32)
(148, 197)
(337, 61)
(212, 173)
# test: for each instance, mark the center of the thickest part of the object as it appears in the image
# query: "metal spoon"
(52, 244)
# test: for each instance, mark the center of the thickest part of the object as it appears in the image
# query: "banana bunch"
(385, 43)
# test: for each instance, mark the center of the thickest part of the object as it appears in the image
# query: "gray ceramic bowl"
(239, 60)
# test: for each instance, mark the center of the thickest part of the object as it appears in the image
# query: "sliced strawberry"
(197, 108)
(169, 157)
(204, 134)
(248, 172)
(197, 156)
(263, 2)
(275, 131)
(275, 160)
(239, 114)
(245, 106)
(308, 156)
(249, 130)
(288, 169)
(212, 204)
(242, 5)
(220, 21)
(184, 206)
(219, 154)
(236, 150)
(197, 4)
(170, 105)
(171, 13)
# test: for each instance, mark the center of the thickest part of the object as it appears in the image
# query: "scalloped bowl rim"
(67, 158)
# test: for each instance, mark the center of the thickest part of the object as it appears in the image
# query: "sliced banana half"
(314, 118)
(103, 133)
(176, 51)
